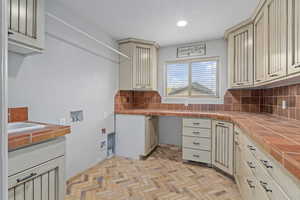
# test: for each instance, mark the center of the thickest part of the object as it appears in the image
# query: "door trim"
(3, 104)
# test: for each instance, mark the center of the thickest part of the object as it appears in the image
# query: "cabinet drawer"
(270, 187)
(197, 123)
(196, 155)
(197, 143)
(197, 132)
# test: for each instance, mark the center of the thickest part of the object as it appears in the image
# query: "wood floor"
(162, 176)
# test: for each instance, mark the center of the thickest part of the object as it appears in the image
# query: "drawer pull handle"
(26, 178)
(250, 164)
(197, 133)
(196, 124)
(10, 33)
(196, 156)
(220, 123)
(196, 143)
(251, 148)
(265, 186)
(266, 164)
(250, 183)
(273, 75)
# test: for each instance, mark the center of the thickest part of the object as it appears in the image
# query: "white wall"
(74, 73)
(214, 48)
(170, 128)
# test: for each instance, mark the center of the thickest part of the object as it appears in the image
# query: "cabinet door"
(260, 50)
(26, 23)
(277, 38)
(222, 146)
(143, 66)
(241, 57)
(294, 37)
(151, 134)
(44, 182)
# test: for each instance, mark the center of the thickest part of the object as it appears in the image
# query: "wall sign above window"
(192, 51)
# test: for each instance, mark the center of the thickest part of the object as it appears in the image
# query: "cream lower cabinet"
(140, 71)
(196, 140)
(37, 172)
(136, 135)
(294, 37)
(240, 57)
(222, 146)
(258, 175)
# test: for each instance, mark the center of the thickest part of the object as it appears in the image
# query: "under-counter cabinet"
(222, 146)
(37, 172)
(258, 175)
(26, 26)
(140, 71)
(196, 140)
(136, 135)
(294, 37)
(240, 57)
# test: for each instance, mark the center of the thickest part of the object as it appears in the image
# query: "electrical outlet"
(284, 106)
(186, 102)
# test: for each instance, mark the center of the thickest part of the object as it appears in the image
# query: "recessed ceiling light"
(182, 23)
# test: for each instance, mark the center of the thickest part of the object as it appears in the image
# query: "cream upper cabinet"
(294, 37)
(26, 26)
(222, 146)
(241, 57)
(140, 71)
(260, 50)
(276, 11)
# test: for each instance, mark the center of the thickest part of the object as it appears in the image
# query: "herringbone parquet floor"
(163, 176)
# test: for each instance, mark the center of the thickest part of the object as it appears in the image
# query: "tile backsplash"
(256, 101)
(17, 114)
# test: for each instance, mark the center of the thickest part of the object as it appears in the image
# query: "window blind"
(192, 79)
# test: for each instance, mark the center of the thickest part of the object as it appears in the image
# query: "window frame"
(189, 62)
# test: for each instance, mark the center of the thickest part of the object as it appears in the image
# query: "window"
(195, 78)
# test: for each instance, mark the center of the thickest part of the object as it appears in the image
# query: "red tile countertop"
(277, 136)
(26, 138)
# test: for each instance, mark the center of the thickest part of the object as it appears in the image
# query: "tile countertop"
(27, 138)
(278, 137)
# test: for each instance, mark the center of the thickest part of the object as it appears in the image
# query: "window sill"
(193, 100)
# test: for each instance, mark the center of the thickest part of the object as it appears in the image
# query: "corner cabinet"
(240, 50)
(260, 50)
(26, 22)
(294, 37)
(140, 71)
(222, 146)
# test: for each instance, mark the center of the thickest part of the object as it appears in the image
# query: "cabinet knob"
(266, 164)
(26, 178)
(251, 148)
(250, 183)
(250, 164)
(265, 186)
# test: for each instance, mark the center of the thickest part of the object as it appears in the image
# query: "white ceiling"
(156, 19)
